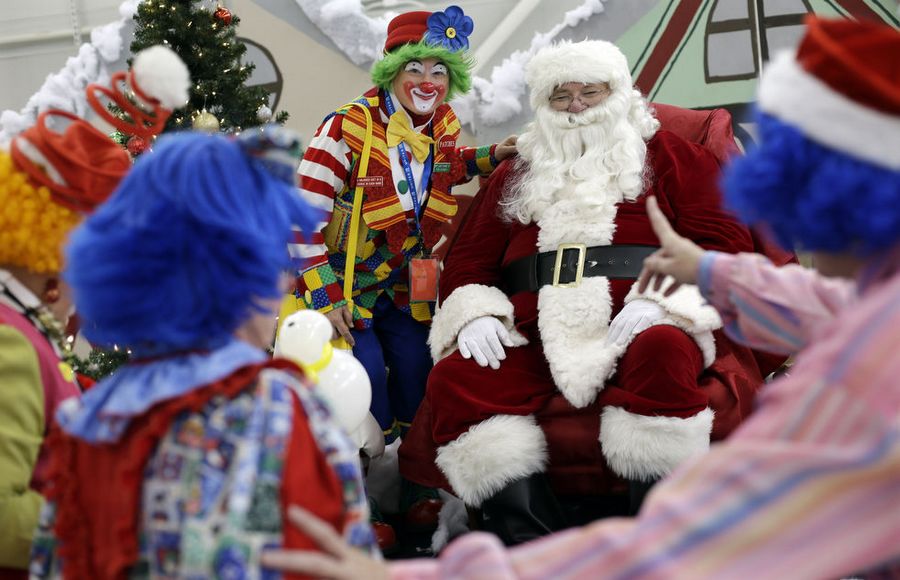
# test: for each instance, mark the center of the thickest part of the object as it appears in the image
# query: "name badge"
(370, 181)
(446, 144)
(423, 279)
(442, 168)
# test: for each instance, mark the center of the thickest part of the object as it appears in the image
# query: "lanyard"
(407, 170)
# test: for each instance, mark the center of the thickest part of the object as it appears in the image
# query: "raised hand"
(677, 257)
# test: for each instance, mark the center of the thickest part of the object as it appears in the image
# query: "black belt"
(570, 262)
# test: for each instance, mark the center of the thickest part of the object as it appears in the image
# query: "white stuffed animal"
(341, 380)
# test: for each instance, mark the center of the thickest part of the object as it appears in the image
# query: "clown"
(415, 160)
(55, 173)
(203, 440)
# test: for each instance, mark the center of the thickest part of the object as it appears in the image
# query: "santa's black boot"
(524, 510)
(637, 491)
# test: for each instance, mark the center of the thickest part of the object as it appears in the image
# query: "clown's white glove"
(483, 339)
(637, 316)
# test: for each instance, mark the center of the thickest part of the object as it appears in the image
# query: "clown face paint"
(422, 85)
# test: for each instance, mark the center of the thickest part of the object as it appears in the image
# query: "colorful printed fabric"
(807, 487)
(211, 498)
(104, 413)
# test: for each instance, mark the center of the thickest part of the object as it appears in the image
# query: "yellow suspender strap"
(352, 242)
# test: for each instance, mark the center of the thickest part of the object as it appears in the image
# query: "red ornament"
(223, 15)
(136, 145)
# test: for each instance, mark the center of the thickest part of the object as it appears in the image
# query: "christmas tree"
(204, 35)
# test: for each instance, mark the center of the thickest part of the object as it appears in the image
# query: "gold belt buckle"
(579, 272)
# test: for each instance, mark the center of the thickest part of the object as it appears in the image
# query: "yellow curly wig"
(33, 228)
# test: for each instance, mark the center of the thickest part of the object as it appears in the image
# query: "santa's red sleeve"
(470, 281)
(687, 186)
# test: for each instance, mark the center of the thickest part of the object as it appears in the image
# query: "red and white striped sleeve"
(322, 174)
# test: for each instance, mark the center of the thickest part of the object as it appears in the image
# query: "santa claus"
(539, 299)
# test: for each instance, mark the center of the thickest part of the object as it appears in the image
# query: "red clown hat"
(841, 88)
(79, 164)
(407, 27)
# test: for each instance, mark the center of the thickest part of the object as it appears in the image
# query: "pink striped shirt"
(808, 487)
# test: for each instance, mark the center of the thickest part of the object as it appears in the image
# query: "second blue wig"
(193, 238)
(812, 197)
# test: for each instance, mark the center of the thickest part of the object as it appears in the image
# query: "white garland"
(359, 37)
(65, 89)
(491, 102)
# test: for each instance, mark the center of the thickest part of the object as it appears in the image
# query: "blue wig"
(813, 197)
(182, 253)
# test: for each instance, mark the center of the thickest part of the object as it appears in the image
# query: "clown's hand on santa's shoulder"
(483, 339)
(636, 317)
(506, 148)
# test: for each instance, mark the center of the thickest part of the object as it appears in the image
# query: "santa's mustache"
(597, 115)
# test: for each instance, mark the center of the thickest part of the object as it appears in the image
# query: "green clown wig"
(421, 35)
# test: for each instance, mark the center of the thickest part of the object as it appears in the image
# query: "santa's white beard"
(596, 156)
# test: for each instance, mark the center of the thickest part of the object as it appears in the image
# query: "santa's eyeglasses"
(582, 96)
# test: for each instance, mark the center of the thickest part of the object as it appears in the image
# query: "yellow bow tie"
(398, 130)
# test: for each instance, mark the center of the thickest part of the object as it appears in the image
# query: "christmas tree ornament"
(136, 145)
(264, 114)
(206, 121)
(204, 34)
(223, 15)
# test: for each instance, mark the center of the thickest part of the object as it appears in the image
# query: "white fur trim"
(491, 455)
(688, 311)
(791, 94)
(573, 324)
(160, 73)
(589, 61)
(464, 305)
(574, 321)
(574, 217)
(639, 447)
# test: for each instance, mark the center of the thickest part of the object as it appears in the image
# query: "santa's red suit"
(631, 412)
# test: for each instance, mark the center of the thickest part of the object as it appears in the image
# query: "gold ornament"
(206, 121)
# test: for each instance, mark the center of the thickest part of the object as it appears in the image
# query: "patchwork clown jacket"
(388, 235)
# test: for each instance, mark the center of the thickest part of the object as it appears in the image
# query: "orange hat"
(80, 165)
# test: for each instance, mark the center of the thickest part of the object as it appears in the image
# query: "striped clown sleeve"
(480, 161)
(322, 174)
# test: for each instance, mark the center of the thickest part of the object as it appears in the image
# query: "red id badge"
(423, 279)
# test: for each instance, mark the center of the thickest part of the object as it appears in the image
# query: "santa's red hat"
(841, 88)
(588, 61)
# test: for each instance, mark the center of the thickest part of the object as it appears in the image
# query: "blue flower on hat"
(450, 29)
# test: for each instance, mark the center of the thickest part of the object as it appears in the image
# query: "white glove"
(484, 339)
(637, 316)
